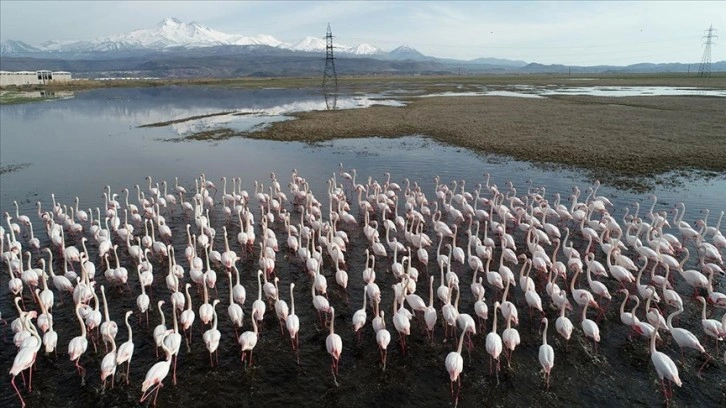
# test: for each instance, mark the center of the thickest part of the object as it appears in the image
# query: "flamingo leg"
(81, 370)
(147, 393)
(156, 394)
(708, 358)
(30, 379)
(174, 372)
(22, 402)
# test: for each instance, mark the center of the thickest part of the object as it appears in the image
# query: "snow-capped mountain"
(12, 46)
(317, 44)
(168, 33)
(405, 51)
(308, 44)
(173, 33)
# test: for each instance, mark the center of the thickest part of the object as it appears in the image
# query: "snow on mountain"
(309, 44)
(405, 50)
(365, 49)
(12, 46)
(172, 32)
(261, 39)
(168, 33)
(318, 44)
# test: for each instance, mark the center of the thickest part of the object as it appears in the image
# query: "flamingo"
(206, 312)
(360, 316)
(510, 338)
(160, 329)
(455, 365)
(494, 341)
(628, 318)
(238, 291)
(187, 316)
(78, 345)
(712, 327)
(430, 314)
(383, 336)
(156, 374)
(109, 328)
(50, 338)
(401, 322)
(211, 337)
(126, 350)
(25, 359)
(248, 340)
(665, 367)
(589, 327)
(480, 307)
(281, 309)
(334, 344)
(563, 324)
(293, 322)
(234, 310)
(61, 283)
(685, 338)
(173, 340)
(259, 306)
(108, 365)
(546, 354)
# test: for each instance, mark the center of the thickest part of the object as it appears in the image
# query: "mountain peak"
(13, 46)
(169, 21)
(407, 50)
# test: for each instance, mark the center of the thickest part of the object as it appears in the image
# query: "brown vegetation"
(612, 137)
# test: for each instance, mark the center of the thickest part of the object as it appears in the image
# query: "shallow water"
(529, 91)
(78, 146)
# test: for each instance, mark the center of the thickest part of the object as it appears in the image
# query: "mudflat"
(611, 137)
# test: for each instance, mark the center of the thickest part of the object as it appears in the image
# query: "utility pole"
(704, 70)
(330, 78)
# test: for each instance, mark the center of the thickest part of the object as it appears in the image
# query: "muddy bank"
(613, 138)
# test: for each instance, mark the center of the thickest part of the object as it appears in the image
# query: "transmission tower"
(704, 70)
(330, 78)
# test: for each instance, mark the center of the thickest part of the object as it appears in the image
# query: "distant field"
(428, 82)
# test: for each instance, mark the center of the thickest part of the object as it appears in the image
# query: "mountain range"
(173, 48)
(172, 33)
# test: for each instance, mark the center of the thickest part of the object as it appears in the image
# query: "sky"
(564, 32)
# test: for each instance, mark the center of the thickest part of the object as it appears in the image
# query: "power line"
(704, 70)
(330, 77)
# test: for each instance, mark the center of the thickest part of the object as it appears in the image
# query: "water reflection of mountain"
(142, 106)
(139, 106)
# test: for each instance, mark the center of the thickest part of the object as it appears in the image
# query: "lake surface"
(76, 147)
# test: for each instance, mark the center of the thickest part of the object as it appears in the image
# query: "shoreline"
(630, 142)
(611, 138)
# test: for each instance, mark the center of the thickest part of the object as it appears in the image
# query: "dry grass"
(611, 137)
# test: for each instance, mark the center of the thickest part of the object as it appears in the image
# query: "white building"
(18, 78)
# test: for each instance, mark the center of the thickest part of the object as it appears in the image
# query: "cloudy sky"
(569, 32)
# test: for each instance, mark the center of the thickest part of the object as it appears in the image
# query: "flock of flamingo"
(421, 236)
